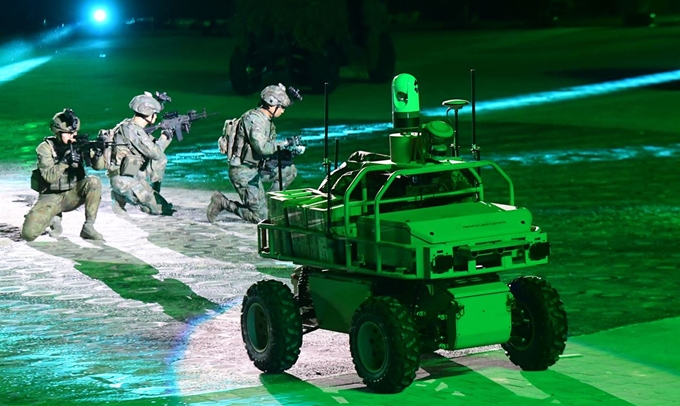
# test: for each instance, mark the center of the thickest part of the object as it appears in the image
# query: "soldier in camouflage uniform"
(61, 181)
(257, 133)
(138, 160)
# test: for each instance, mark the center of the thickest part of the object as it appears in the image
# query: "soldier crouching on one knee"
(60, 179)
(256, 136)
(138, 160)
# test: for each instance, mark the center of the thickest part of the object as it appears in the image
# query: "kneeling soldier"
(61, 181)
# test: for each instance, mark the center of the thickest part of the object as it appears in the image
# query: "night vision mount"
(162, 98)
(293, 94)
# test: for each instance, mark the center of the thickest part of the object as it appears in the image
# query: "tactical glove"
(97, 153)
(66, 158)
(292, 142)
(168, 133)
(76, 157)
(71, 157)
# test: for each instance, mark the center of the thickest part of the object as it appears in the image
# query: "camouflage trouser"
(248, 184)
(137, 191)
(88, 192)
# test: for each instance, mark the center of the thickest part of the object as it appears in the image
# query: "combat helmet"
(65, 121)
(275, 95)
(145, 104)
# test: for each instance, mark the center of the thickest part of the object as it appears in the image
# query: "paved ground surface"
(154, 310)
(151, 314)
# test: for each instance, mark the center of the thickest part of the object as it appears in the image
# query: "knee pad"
(92, 184)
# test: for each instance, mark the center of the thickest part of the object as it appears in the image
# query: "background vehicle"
(309, 41)
(403, 252)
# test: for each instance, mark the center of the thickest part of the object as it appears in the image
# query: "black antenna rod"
(278, 163)
(337, 153)
(326, 160)
(475, 149)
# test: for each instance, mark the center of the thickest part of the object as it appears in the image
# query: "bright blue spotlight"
(99, 15)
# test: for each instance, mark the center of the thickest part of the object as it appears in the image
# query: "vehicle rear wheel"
(244, 72)
(383, 340)
(271, 326)
(539, 324)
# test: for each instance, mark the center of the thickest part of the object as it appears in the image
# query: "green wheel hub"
(270, 326)
(372, 347)
(258, 327)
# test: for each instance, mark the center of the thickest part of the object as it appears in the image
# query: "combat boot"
(167, 209)
(55, 227)
(230, 206)
(89, 233)
(118, 204)
(218, 202)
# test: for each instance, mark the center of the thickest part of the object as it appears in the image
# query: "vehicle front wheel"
(383, 341)
(270, 326)
(539, 324)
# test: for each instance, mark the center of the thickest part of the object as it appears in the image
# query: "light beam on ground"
(12, 71)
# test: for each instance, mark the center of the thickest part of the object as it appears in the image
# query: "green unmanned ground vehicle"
(403, 252)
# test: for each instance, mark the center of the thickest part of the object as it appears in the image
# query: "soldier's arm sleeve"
(164, 140)
(273, 135)
(260, 141)
(146, 145)
(50, 168)
(99, 163)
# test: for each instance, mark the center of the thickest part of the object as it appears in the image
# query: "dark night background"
(20, 17)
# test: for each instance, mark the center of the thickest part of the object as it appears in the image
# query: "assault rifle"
(177, 124)
(83, 144)
(284, 156)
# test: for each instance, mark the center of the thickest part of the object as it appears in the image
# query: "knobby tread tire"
(283, 324)
(546, 331)
(398, 328)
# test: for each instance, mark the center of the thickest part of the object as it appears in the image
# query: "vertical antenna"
(337, 152)
(456, 135)
(326, 161)
(475, 149)
(278, 163)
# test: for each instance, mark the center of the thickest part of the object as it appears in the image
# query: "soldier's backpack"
(229, 144)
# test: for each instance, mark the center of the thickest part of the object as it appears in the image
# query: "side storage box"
(285, 210)
(323, 249)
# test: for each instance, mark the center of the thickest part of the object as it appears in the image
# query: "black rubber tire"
(245, 75)
(270, 326)
(539, 324)
(383, 69)
(383, 341)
